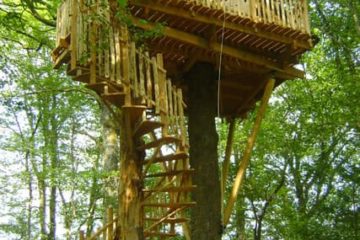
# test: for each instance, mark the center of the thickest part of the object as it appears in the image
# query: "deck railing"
(285, 13)
(104, 52)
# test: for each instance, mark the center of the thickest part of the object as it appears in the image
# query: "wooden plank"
(146, 127)
(74, 32)
(169, 157)
(112, 55)
(110, 230)
(133, 69)
(158, 143)
(135, 111)
(169, 205)
(100, 53)
(93, 31)
(162, 82)
(170, 103)
(168, 220)
(156, 85)
(226, 163)
(183, 134)
(227, 50)
(171, 189)
(171, 173)
(141, 75)
(116, 98)
(176, 111)
(117, 57)
(149, 80)
(248, 150)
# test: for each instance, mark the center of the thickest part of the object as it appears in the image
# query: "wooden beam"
(191, 15)
(226, 163)
(227, 50)
(248, 150)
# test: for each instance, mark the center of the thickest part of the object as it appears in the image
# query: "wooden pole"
(110, 219)
(74, 37)
(226, 163)
(81, 235)
(248, 150)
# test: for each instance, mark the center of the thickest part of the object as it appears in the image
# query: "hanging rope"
(221, 57)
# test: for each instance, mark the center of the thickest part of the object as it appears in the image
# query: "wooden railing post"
(74, 34)
(162, 94)
(110, 219)
(248, 150)
(93, 49)
(306, 16)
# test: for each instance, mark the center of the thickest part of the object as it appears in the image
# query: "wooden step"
(82, 75)
(168, 220)
(115, 98)
(146, 127)
(63, 58)
(99, 87)
(171, 173)
(135, 111)
(159, 142)
(171, 189)
(159, 234)
(169, 205)
(170, 157)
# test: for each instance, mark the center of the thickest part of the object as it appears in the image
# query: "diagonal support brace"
(248, 150)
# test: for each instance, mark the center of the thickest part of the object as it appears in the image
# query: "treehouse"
(248, 41)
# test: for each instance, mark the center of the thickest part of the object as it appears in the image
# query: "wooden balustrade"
(284, 13)
(103, 51)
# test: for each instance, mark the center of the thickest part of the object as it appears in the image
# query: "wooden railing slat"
(149, 80)
(156, 85)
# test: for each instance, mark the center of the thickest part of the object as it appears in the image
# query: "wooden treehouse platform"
(261, 39)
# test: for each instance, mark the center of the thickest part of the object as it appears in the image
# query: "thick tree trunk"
(206, 215)
(110, 157)
(130, 189)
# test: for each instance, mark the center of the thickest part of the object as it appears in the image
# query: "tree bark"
(53, 148)
(110, 157)
(130, 189)
(206, 215)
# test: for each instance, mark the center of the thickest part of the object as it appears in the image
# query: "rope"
(220, 60)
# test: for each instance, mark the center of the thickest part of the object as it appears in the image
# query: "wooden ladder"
(100, 55)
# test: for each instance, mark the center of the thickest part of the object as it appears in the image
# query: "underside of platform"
(252, 51)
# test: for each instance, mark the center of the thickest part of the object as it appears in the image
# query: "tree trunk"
(258, 228)
(130, 189)
(53, 148)
(110, 157)
(42, 207)
(206, 215)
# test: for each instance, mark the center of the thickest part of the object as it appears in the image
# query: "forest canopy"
(56, 163)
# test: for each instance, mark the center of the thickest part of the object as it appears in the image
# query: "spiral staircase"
(99, 53)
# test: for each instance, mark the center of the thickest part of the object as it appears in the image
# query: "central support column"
(130, 187)
(206, 215)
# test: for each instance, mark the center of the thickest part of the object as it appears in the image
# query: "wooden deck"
(261, 38)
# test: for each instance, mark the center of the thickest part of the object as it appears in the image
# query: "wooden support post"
(248, 150)
(226, 163)
(93, 30)
(130, 195)
(81, 235)
(74, 37)
(110, 219)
